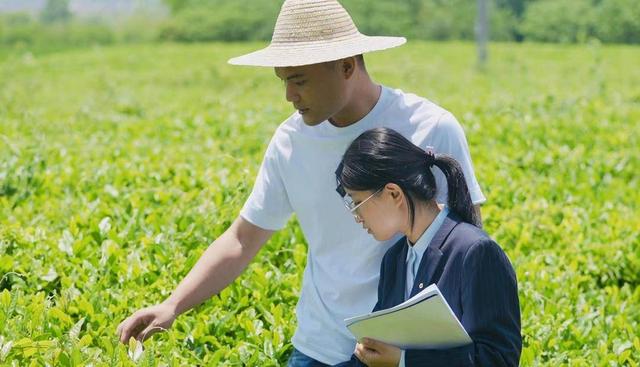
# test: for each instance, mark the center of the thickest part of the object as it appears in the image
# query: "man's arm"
(222, 262)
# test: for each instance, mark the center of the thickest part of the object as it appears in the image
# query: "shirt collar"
(425, 239)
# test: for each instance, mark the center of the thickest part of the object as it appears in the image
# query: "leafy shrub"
(569, 21)
(381, 17)
(223, 21)
(55, 11)
(119, 165)
(564, 21)
(618, 21)
(22, 31)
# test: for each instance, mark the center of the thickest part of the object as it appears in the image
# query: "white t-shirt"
(343, 261)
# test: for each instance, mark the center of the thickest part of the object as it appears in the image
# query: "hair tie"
(431, 156)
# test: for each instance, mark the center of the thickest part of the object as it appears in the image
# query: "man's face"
(317, 91)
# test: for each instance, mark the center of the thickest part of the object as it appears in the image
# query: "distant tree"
(175, 5)
(482, 31)
(513, 12)
(618, 21)
(517, 7)
(564, 21)
(55, 11)
(178, 5)
(381, 16)
(222, 20)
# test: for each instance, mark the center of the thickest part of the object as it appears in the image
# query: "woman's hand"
(377, 354)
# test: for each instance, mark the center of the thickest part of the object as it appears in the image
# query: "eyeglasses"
(353, 208)
(348, 201)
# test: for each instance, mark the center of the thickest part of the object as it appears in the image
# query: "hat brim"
(307, 53)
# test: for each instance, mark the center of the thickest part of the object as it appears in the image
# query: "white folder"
(425, 321)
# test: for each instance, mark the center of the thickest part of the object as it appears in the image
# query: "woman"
(388, 186)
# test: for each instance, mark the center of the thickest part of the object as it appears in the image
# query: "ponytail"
(459, 199)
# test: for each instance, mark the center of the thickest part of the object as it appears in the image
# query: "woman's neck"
(424, 215)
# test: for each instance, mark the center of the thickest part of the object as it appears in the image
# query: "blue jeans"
(299, 359)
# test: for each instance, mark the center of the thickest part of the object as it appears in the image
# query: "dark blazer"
(477, 280)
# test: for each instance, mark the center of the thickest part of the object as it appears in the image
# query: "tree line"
(567, 21)
(562, 21)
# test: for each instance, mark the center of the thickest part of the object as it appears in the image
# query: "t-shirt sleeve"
(268, 206)
(450, 139)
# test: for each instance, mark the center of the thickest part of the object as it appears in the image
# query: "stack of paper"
(425, 321)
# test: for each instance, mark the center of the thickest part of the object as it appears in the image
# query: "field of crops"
(118, 166)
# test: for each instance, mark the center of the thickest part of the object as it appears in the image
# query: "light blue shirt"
(415, 253)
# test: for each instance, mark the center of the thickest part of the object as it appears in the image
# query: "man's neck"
(363, 99)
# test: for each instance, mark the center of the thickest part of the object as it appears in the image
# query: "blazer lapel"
(400, 285)
(432, 256)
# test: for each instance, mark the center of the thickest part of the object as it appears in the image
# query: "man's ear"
(348, 67)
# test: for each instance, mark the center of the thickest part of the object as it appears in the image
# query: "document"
(424, 321)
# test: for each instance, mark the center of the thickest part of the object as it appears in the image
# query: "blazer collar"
(432, 256)
(447, 226)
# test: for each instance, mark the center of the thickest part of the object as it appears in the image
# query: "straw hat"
(311, 32)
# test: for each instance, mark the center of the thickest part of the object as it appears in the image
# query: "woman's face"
(382, 215)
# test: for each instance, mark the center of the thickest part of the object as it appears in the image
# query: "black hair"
(381, 156)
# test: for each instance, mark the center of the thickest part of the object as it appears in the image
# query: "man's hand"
(218, 266)
(377, 354)
(146, 322)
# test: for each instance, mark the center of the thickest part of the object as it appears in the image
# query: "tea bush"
(119, 165)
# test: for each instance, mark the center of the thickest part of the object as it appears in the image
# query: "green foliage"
(421, 19)
(381, 17)
(177, 5)
(223, 20)
(565, 21)
(56, 11)
(119, 165)
(570, 21)
(618, 21)
(20, 31)
(515, 7)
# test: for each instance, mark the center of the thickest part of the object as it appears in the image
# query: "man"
(316, 51)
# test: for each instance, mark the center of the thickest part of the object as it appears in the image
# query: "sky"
(88, 7)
